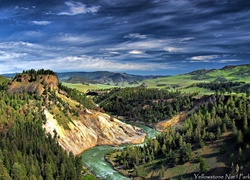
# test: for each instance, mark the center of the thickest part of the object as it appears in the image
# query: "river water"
(94, 160)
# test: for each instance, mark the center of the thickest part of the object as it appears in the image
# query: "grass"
(181, 170)
(197, 89)
(60, 117)
(84, 88)
(178, 83)
(181, 82)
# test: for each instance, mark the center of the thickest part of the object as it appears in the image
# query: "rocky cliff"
(28, 83)
(94, 128)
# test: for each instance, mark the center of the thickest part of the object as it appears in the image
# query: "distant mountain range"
(112, 78)
(103, 77)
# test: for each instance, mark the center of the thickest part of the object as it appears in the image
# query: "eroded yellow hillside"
(161, 126)
(95, 128)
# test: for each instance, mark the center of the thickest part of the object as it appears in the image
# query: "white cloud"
(186, 39)
(147, 44)
(15, 44)
(72, 38)
(88, 63)
(170, 45)
(174, 49)
(79, 63)
(43, 23)
(114, 52)
(136, 52)
(6, 55)
(25, 51)
(203, 58)
(32, 34)
(135, 36)
(229, 60)
(76, 8)
(22, 8)
(138, 47)
(20, 55)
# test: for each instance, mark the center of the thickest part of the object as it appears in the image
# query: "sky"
(161, 37)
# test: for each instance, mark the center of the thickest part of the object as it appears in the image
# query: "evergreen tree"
(19, 172)
(203, 166)
(4, 175)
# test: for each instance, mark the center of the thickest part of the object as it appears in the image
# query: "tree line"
(145, 105)
(39, 72)
(223, 87)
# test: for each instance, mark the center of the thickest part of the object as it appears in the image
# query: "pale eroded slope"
(95, 128)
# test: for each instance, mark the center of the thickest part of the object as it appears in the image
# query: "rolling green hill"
(183, 82)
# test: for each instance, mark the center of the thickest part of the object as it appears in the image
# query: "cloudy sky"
(140, 37)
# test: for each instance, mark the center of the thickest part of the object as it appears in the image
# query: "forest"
(145, 105)
(223, 87)
(208, 120)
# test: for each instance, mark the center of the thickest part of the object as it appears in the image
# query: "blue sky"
(140, 37)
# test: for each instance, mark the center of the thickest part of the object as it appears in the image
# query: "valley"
(229, 82)
(201, 118)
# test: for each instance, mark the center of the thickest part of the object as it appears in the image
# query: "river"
(94, 160)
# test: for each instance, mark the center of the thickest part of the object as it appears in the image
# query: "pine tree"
(48, 171)
(19, 172)
(4, 175)
(162, 171)
(218, 134)
(245, 123)
(203, 166)
(239, 138)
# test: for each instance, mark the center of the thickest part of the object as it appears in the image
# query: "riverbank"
(94, 158)
(111, 157)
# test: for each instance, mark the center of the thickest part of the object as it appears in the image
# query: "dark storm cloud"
(159, 36)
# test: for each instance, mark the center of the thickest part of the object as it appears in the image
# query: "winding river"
(94, 160)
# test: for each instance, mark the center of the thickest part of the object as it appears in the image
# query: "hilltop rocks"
(28, 83)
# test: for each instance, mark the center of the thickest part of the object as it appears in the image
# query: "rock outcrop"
(162, 125)
(95, 128)
(28, 83)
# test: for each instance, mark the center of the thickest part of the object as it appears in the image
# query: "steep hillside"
(90, 129)
(26, 152)
(72, 116)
